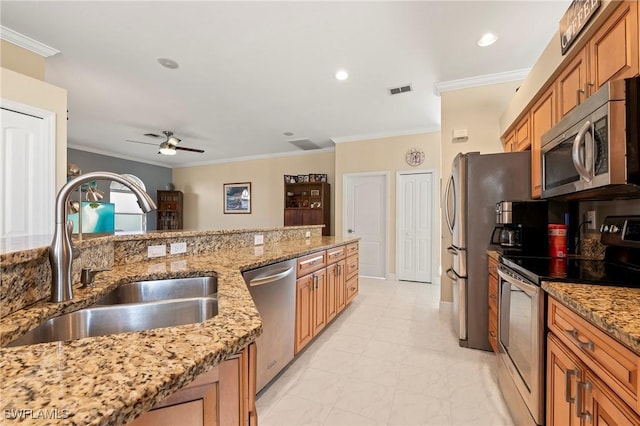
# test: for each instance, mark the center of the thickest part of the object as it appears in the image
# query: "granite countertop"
(112, 379)
(613, 309)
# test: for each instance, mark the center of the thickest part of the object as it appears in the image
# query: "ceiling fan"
(169, 146)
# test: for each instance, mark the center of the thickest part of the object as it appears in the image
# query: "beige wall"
(477, 110)
(387, 155)
(202, 187)
(30, 91)
(21, 60)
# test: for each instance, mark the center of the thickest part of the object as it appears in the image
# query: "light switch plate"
(178, 248)
(157, 251)
(258, 239)
(307, 234)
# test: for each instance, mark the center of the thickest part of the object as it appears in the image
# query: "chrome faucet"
(61, 250)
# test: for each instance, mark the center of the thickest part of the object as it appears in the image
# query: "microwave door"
(582, 152)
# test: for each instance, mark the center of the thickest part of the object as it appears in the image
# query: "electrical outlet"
(258, 239)
(307, 234)
(157, 251)
(591, 218)
(178, 248)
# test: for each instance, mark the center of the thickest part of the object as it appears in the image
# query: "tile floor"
(390, 358)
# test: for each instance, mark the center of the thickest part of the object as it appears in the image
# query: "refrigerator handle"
(450, 223)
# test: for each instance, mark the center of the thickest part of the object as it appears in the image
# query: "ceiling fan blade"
(144, 143)
(184, 148)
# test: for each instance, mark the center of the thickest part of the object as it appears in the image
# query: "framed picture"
(287, 179)
(300, 178)
(306, 178)
(323, 178)
(237, 197)
(315, 192)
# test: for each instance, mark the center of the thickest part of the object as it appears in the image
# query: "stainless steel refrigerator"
(476, 184)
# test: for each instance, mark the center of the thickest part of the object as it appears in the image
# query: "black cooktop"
(600, 272)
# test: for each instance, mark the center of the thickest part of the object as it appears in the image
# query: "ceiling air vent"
(304, 144)
(152, 135)
(401, 89)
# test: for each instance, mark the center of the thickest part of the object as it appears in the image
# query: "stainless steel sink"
(151, 291)
(105, 320)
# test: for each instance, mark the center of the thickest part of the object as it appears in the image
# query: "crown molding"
(483, 80)
(382, 135)
(115, 155)
(258, 157)
(25, 42)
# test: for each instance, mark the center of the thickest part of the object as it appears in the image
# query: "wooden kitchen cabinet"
(322, 292)
(600, 374)
(308, 204)
(225, 395)
(169, 215)
(510, 142)
(543, 117)
(571, 84)
(614, 49)
(522, 141)
(493, 303)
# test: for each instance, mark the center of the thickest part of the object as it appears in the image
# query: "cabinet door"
(604, 407)
(564, 371)
(522, 135)
(319, 300)
(304, 312)
(332, 292)
(510, 142)
(572, 84)
(341, 286)
(543, 117)
(613, 50)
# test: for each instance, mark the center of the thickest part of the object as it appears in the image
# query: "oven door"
(521, 338)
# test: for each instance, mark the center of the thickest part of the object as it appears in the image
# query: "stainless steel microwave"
(594, 151)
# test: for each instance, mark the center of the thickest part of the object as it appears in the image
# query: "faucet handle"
(87, 276)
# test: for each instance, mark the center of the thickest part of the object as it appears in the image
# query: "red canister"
(557, 240)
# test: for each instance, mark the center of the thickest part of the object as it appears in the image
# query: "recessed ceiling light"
(487, 40)
(342, 75)
(168, 63)
(288, 133)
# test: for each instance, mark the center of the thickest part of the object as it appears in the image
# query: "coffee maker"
(521, 228)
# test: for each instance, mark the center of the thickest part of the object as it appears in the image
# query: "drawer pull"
(580, 400)
(567, 385)
(573, 335)
(311, 261)
(335, 253)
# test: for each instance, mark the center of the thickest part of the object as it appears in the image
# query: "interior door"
(415, 226)
(365, 216)
(27, 183)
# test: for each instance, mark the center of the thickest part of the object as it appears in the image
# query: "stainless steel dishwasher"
(273, 289)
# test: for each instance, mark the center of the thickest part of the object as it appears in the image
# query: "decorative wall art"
(237, 197)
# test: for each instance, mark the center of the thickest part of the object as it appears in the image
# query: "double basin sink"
(136, 306)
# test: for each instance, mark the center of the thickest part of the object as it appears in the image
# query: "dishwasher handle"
(271, 278)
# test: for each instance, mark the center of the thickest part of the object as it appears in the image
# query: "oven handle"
(530, 289)
(575, 152)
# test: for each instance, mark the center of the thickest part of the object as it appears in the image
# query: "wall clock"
(415, 156)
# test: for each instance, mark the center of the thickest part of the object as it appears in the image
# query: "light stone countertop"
(112, 379)
(616, 310)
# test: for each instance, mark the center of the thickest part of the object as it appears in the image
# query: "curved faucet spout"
(61, 248)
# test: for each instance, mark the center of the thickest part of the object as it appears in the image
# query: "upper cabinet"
(307, 204)
(611, 53)
(613, 50)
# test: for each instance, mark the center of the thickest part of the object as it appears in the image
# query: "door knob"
(351, 231)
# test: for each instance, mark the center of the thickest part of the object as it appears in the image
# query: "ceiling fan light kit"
(167, 149)
(170, 145)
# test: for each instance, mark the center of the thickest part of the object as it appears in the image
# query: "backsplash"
(591, 248)
(25, 276)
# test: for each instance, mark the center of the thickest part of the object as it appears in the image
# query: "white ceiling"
(250, 71)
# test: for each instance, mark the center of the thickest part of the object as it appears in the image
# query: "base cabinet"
(591, 378)
(493, 303)
(327, 282)
(225, 395)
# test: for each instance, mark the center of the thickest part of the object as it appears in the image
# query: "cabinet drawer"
(352, 266)
(335, 254)
(352, 288)
(352, 249)
(311, 263)
(615, 364)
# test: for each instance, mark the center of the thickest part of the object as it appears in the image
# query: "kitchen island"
(113, 379)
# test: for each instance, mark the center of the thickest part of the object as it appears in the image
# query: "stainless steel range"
(522, 307)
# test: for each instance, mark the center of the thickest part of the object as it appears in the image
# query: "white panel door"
(415, 219)
(27, 181)
(365, 216)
